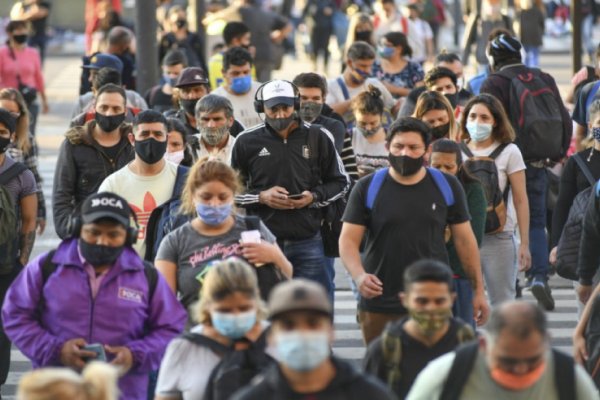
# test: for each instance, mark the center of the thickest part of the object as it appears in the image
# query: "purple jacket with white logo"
(40, 318)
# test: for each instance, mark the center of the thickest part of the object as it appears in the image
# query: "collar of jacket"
(68, 254)
(83, 134)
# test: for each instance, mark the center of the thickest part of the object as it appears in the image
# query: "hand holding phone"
(95, 348)
(296, 196)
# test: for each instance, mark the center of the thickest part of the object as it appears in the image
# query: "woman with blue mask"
(485, 128)
(394, 68)
(216, 233)
(230, 316)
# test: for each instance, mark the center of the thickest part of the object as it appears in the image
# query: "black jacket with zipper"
(81, 167)
(264, 159)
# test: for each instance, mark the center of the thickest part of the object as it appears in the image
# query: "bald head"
(517, 318)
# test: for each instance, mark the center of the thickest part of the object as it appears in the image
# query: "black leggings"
(5, 344)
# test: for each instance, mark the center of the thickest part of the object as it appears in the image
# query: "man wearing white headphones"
(291, 170)
(93, 298)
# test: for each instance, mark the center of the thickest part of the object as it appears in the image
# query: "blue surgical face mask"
(385, 51)
(241, 85)
(213, 215)
(302, 351)
(169, 80)
(596, 133)
(233, 326)
(479, 132)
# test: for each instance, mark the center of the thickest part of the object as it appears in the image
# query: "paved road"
(62, 74)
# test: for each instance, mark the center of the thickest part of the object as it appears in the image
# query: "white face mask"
(175, 157)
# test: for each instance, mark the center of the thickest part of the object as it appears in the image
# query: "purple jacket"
(39, 318)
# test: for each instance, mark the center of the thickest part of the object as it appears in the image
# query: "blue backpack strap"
(374, 186)
(590, 98)
(443, 185)
(345, 92)
(179, 181)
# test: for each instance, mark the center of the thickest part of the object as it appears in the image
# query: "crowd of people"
(200, 221)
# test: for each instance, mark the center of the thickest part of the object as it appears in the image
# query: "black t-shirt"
(406, 224)
(159, 100)
(112, 151)
(415, 355)
(38, 26)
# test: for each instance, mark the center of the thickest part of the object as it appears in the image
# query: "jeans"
(340, 28)
(34, 111)
(39, 42)
(532, 56)
(309, 261)
(499, 264)
(463, 304)
(5, 344)
(587, 35)
(537, 185)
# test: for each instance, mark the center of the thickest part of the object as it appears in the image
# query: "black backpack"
(484, 168)
(536, 115)
(564, 373)
(567, 250)
(592, 342)
(9, 223)
(236, 369)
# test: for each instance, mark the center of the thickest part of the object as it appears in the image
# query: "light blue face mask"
(596, 133)
(302, 351)
(233, 326)
(242, 84)
(385, 51)
(479, 132)
(213, 215)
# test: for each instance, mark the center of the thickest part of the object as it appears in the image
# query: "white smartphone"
(252, 236)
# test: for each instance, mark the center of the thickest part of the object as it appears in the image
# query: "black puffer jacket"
(82, 166)
(348, 384)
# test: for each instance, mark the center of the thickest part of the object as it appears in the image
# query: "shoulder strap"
(374, 186)
(48, 267)
(590, 97)
(442, 183)
(591, 72)
(205, 341)
(564, 376)
(494, 154)
(584, 168)
(12, 172)
(342, 84)
(460, 371)
(391, 347)
(465, 149)
(179, 181)
(314, 133)
(152, 277)
(252, 222)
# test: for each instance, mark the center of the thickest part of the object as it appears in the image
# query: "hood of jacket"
(84, 134)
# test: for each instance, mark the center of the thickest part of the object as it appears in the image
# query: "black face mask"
(440, 131)
(180, 23)
(188, 105)
(4, 142)
(405, 165)
(363, 36)
(20, 39)
(99, 255)
(109, 123)
(280, 124)
(150, 150)
(453, 99)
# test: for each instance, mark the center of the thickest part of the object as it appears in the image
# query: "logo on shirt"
(130, 295)
(433, 206)
(264, 152)
(143, 214)
(305, 152)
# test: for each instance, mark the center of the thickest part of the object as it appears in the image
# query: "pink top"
(27, 65)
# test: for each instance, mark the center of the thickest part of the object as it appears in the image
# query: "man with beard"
(89, 154)
(408, 345)
(214, 116)
(290, 171)
(405, 210)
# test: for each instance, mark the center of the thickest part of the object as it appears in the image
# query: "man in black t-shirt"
(406, 223)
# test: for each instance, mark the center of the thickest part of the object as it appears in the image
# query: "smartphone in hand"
(95, 348)
(296, 196)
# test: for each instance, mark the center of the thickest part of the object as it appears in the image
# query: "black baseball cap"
(105, 205)
(191, 76)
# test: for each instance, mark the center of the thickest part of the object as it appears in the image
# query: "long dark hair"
(451, 147)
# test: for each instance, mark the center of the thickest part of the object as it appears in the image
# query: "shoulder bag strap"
(584, 168)
(12, 172)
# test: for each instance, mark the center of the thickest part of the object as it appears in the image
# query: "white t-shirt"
(185, 369)
(419, 32)
(243, 105)
(507, 163)
(370, 155)
(480, 385)
(223, 154)
(143, 193)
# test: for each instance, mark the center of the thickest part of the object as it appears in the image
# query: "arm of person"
(35, 12)
(579, 342)
(396, 90)
(39, 82)
(251, 197)
(168, 270)
(478, 210)
(341, 107)
(28, 206)
(168, 384)
(63, 192)
(349, 158)
(265, 252)
(521, 203)
(166, 320)
(589, 251)
(468, 254)
(20, 315)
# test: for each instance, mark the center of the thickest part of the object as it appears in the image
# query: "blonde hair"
(22, 131)
(98, 381)
(203, 171)
(432, 100)
(225, 278)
